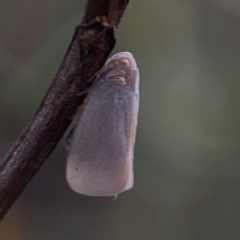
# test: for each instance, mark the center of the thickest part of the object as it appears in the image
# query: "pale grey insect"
(100, 160)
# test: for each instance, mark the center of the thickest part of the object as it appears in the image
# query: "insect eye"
(125, 62)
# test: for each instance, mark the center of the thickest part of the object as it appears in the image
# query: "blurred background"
(187, 155)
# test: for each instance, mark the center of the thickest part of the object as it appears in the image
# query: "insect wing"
(100, 161)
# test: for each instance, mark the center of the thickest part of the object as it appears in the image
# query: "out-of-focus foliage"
(187, 166)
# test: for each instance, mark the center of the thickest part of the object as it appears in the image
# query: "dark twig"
(91, 44)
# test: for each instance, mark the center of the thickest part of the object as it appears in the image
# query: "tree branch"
(89, 49)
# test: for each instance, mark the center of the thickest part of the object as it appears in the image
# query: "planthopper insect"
(100, 159)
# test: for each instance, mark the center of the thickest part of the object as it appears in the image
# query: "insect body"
(100, 160)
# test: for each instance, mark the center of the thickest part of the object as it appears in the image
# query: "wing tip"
(94, 188)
